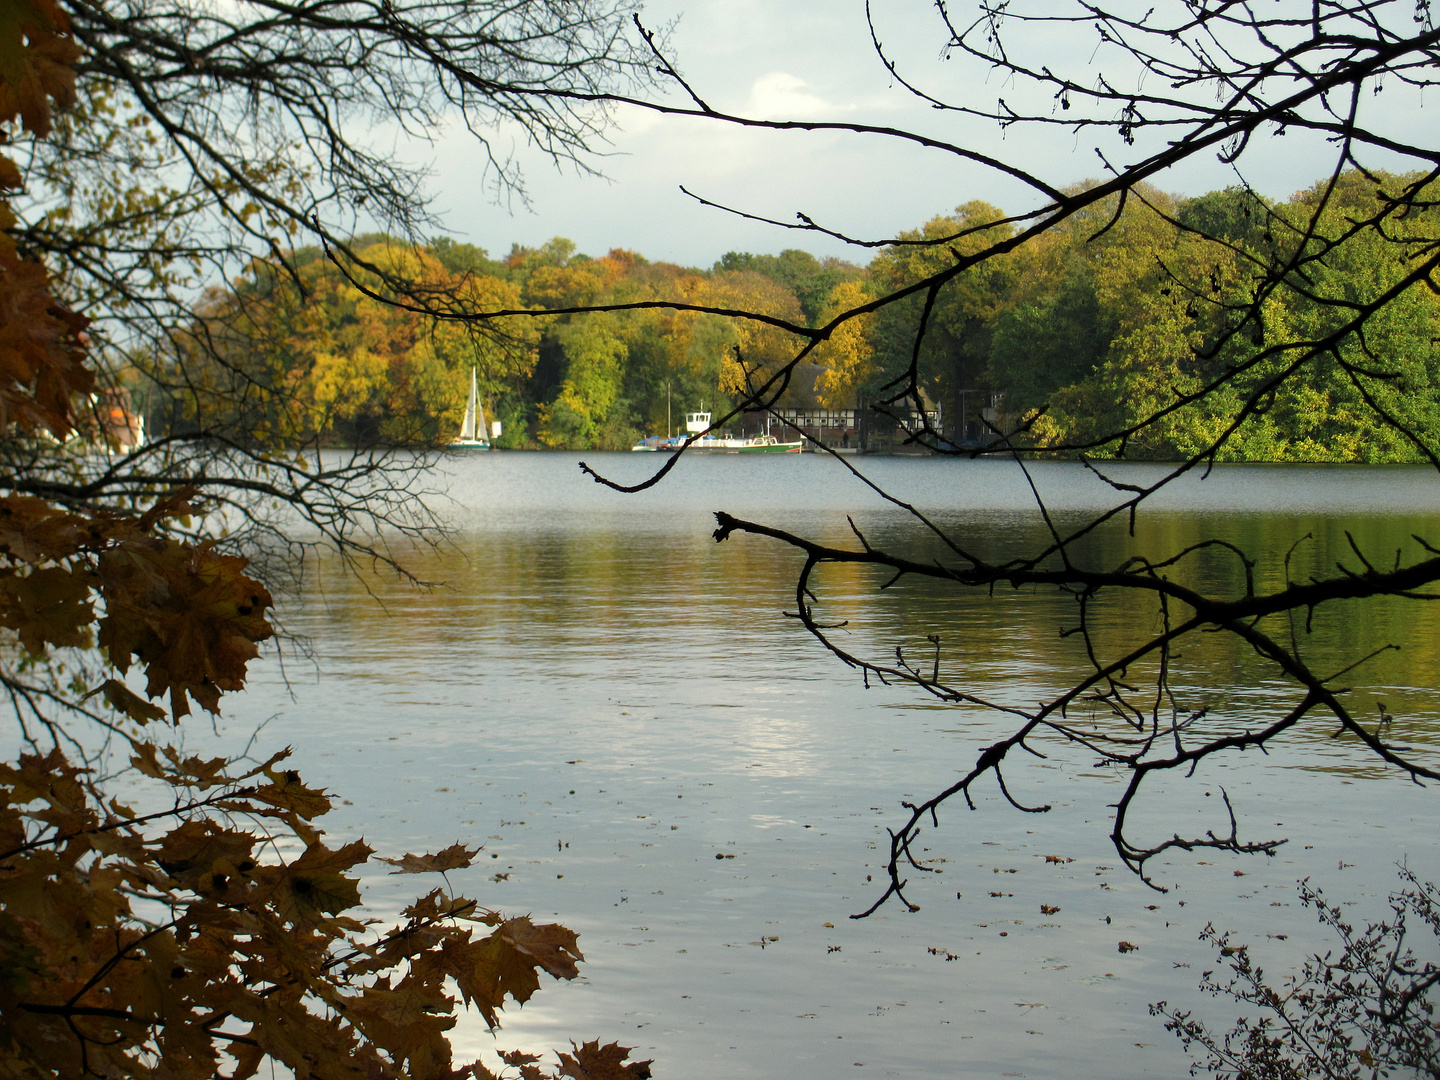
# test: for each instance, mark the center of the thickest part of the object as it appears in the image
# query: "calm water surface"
(650, 752)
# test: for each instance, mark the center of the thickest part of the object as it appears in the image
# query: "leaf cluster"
(1361, 1011)
(41, 354)
(214, 935)
(187, 613)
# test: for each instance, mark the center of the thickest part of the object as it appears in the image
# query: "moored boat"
(768, 444)
(705, 442)
(474, 432)
(653, 443)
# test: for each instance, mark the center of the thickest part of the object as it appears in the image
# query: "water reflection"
(1006, 645)
(609, 700)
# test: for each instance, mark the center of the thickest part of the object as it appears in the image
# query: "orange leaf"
(48, 606)
(552, 946)
(122, 699)
(188, 614)
(595, 1062)
(31, 73)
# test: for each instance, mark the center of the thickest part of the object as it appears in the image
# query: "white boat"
(698, 423)
(474, 432)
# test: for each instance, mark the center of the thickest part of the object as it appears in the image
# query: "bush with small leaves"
(1359, 1012)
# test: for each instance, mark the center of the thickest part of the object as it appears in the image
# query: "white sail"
(467, 427)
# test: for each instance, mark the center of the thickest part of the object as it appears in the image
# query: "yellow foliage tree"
(345, 364)
(742, 350)
(847, 354)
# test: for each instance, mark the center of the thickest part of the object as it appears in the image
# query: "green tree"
(1168, 316)
(810, 279)
(465, 259)
(594, 358)
(1234, 214)
(1043, 345)
(949, 349)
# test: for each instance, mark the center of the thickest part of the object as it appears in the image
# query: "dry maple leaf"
(518, 1057)
(314, 885)
(288, 792)
(124, 700)
(48, 606)
(33, 531)
(505, 963)
(188, 614)
(33, 71)
(552, 946)
(455, 857)
(591, 1061)
(41, 355)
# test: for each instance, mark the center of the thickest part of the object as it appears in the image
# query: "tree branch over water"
(1257, 309)
(1107, 713)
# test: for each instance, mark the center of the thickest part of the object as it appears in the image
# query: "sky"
(802, 59)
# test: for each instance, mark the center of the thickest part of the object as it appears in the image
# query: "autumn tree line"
(355, 369)
(1101, 320)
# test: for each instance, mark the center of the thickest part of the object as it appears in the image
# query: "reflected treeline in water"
(559, 593)
(1165, 651)
(625, 591)
(1014, 646)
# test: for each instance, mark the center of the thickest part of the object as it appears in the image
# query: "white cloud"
(636, 119)
(782, 96)
(806, 60)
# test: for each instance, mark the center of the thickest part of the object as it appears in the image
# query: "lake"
(651, 753)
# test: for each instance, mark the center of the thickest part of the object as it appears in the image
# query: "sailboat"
(474, 432)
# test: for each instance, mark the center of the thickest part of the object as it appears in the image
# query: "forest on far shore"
(1104, 319)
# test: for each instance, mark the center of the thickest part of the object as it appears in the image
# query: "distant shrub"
(1363, 1012)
